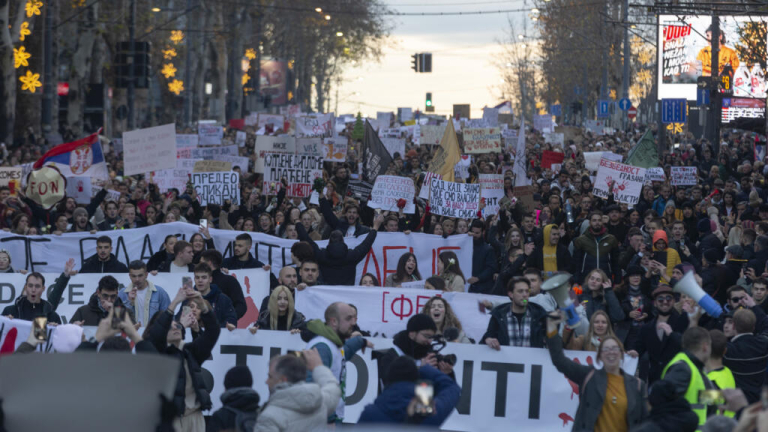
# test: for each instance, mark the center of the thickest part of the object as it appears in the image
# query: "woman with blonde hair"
(599, 328)
(442, 314)
(281, 313)
(190, 318)
(448, 268)
(598, 295)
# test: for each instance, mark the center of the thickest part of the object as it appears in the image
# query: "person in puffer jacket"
(663, 254)
(596, 249)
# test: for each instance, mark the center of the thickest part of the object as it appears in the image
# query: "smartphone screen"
(204, 223)
(186, 282)
(39, 327)
(711, 397)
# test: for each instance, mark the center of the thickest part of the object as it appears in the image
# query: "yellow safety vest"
(724, 380)
(696, 384)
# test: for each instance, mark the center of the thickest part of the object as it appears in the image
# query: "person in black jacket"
(484, 263)
(101, 302)
(338, 264)
(220, 302)
(226, 283)
(163, 255)
(521, 314)
(662, 336)
(167, 336)
(350, 226)
(239, 400)
(104, 261)
(181, 261)
(31, 304)
(241, 257)
(746, 355)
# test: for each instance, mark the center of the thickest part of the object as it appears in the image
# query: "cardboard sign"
(431, 134)
(210, 134)
(683, 176)
(314, 125)
(459, 200)
(240, 138)
(424, 190)
(11, 177)
(217, 187)
(491, 116)
(388, 190)
(394, 145)
(272, 144)
(550, 157)
(149, 149)
(237, 161)
(655, 174)
(46, 187)
(592, 159)
(309, 146)
(629, 181)
(482, 140)
(211, 153)
(335, 149)
(299, 170)
(186, 141)
(491, 190)
(79, 188)
(524, 195)
(543, 123)
(211, 166)
(557, 139)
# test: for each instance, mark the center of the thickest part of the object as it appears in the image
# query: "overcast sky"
(463, 52)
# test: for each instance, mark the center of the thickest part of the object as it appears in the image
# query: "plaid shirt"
(519, 336)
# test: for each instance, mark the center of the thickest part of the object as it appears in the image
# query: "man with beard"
(110, 216)
(484, 263)
(104, 261)
(595, 249)
(350, 225)
(519, 323)
(341, 179)
(288, 278)
(661, 337)
(80, 221)
(328, 339)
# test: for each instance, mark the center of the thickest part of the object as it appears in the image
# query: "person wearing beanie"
(240, 403)
(415, 342)
(634, 296)
(391, 406)
(80, 221)
(662, 254)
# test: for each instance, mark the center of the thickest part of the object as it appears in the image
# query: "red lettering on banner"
(437, 252)
(383, 305)
(375, 264)
(419, 304)
(402, 314)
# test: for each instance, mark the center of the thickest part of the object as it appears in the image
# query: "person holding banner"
(518, 323)
(350, 226)
(610, 400)
(280, 314)
(31, 304)
(407, 271)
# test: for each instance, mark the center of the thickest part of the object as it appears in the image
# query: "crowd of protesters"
(625, 264)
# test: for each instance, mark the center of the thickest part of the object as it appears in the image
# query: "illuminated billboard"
(686, 54)
(738, 108)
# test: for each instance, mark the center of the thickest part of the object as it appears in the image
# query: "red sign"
(62, 88)
(632, 112)
(549, 157)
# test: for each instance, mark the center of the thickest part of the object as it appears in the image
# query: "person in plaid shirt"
(518, 323)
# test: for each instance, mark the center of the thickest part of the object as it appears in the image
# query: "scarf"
(549, 252)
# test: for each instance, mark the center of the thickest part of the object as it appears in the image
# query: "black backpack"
(244, 421)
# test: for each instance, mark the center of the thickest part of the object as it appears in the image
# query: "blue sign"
(555, 110)
(674, 110)
(603, 108)
(702, 96)
(578, 90)
(625, 104)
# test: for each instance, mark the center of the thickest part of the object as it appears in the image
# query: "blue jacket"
(158, 300)
(484, 265)
(222, 306)
(658, 205)
(392, 403)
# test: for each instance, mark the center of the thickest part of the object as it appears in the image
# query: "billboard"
(273, 78)
(736, 108)
(686, 54)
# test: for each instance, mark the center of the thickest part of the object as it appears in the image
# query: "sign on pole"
(603, 108)
(632, 112)
(625, 104)
(674, 110)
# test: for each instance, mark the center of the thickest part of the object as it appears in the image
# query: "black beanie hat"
(421, 322)
(238, 376)
(401, 369)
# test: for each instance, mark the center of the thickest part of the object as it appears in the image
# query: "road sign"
(632, 112)
(578, 90)
(704, 83)
(624, 104)
(603, 108)
(702, 96)
(556, 110)
(673, 110)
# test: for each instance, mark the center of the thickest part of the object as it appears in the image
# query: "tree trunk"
(219, 49)
(81, 68)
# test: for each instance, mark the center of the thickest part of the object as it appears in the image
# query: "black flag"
(376, 157)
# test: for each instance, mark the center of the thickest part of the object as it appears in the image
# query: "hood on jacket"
(302, 397)
(337, 250)
(547, 232)
(213, 294)
(660, 235)
(318, 328)
(242, 398)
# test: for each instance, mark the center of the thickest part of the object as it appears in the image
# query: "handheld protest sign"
(46, 186)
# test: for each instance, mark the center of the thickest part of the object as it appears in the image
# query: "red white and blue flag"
(81, 158)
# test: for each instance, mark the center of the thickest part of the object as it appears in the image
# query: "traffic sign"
(556, 110)
(624, 104)
(632, 112)
(578, 90)
(603, 108)
(674, 110)
(702, 96)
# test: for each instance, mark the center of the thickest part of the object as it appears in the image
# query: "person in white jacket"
(294, 404)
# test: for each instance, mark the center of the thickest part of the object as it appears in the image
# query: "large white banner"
(255, 284)
(49, 253)
(385, 311)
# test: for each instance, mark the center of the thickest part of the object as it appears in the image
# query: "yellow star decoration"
(30, 82)
(176, 86)
(246, 78)
(250, 53)
(20, 57)
(177, 36)
(613, 94)
(169, 53)
(168, 70)
(33, 8)
(24, 31)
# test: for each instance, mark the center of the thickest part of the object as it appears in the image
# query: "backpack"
(244, 421)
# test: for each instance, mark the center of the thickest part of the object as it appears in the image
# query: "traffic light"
(415, 62)
(429, 99)
(426, 62)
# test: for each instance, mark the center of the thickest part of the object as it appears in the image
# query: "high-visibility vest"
(724, 380)
(696, 384)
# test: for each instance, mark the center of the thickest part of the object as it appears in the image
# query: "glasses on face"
(665, 298)
(612, 349)
(736, 299)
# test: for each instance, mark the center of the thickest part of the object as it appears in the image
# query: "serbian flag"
(81, 158)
